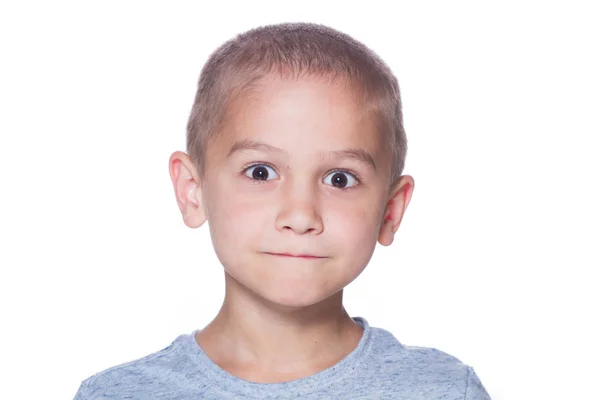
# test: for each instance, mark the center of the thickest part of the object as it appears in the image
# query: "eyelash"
(345, 171)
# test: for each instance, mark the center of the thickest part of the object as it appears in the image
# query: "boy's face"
(296, 191)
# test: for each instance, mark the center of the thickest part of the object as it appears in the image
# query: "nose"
(299, 211)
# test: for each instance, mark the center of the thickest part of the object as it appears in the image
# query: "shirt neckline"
(232, 384)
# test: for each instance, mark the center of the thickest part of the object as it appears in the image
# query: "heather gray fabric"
(379, 368)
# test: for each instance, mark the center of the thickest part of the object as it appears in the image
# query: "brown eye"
(261, 172)
(341, 180)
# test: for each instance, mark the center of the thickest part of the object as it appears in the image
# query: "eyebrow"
(253, 145)
(359, 155)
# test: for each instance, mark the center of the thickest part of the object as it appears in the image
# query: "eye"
(341, 179)
(260, 172)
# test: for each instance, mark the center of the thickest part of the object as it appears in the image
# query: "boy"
(295, 149)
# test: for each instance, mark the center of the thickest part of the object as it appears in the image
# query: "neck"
(251, 333)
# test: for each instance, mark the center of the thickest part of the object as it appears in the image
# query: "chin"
(290, 283)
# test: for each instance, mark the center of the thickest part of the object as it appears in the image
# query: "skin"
(282, 317)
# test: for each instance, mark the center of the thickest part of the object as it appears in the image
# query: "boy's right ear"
(188, 192)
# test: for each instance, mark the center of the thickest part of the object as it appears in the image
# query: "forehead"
(301, 114)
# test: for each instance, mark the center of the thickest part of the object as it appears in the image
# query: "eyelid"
(257, 163)
(345, 171)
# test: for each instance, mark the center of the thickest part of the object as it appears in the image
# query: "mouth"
(301, 256)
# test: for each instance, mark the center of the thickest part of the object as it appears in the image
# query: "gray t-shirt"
(379, 368)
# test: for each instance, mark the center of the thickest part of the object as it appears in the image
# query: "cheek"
(355, 226)
(236, 223)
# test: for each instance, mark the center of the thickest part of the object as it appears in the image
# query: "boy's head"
(296, 147)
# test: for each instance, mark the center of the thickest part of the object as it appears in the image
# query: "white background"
(494, 263)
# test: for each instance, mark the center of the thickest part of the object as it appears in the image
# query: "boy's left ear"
(400, 195)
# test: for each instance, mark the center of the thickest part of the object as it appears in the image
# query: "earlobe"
(386, 234)
(186, 183)
(400, 196)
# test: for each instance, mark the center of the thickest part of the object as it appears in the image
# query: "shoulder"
(155, 373)
(387, 347)
(423, 369)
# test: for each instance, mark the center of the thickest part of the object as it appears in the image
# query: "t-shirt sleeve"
(475, 389)
(80, 395)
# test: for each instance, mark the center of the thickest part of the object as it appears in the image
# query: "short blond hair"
(294, 50)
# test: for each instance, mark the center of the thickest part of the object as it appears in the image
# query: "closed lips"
(294, 255)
